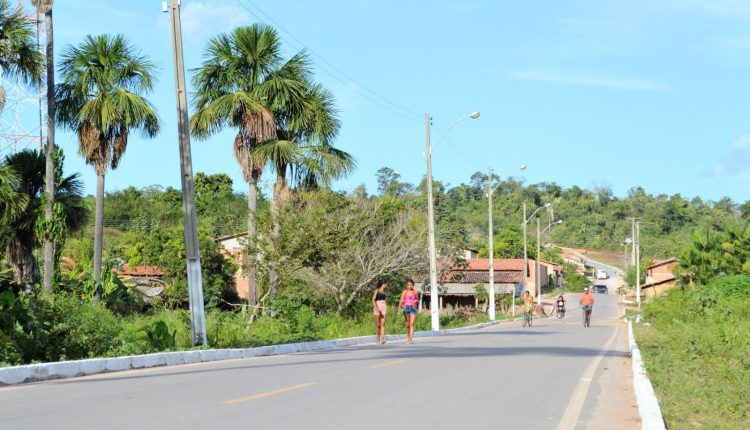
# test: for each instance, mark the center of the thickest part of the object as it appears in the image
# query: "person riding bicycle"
(528, 305)
(561, 304)
(587, 301)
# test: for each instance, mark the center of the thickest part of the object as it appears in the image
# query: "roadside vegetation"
(313, 255)
(696, 338)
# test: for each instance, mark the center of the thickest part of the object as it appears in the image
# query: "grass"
(696, 348)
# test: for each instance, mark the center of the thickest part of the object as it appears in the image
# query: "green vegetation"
(696, 348)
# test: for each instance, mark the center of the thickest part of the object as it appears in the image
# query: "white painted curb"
(648, 405)
(70, 369)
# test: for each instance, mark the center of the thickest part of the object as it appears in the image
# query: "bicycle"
(587, 316)
(526, 320)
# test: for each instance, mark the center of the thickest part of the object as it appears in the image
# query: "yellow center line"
(269, 393)
(390, 363)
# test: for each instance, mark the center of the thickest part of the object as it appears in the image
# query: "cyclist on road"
(528, 305)
(587, 302)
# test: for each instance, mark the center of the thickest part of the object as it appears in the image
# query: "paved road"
(501, 377)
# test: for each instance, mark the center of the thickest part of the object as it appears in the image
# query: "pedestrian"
(409, 303)
(380, 309)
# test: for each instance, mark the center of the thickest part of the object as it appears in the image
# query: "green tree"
(242, 83)
(12, 202)
(21, 231)
(44, 7)
(102, 99)
(19, 56)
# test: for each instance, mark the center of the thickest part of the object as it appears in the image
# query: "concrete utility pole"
(638, 263)
(490, 191)
(434, 302)
(195, 287)
(538, 271)
(525, 252)
(632, 235)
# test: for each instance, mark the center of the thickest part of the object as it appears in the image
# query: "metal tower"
(25, 109)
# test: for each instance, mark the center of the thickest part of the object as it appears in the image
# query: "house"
(233, 247)
(144, 278)
(458, 281)
(659, 277)
(470, 253)
(554, 272)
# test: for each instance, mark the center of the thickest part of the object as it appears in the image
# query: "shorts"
(381, 308)
(410, 310)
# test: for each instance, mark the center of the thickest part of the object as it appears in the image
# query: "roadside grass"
(69, 329)
(696, 349)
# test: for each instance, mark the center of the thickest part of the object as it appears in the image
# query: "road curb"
(75, 368)
(648, 404)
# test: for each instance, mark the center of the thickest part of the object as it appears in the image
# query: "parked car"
(602, 274)
(601, 289)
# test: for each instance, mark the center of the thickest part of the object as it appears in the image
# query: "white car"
(602, 274)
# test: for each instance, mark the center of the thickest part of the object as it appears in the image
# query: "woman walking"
(409, 303)
(380, 308)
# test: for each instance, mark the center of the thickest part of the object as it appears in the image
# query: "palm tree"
(29, 169)
(19, 57)
(12, 203)
(102, 99)
(242, 82)
(303, 154)
(45, 7)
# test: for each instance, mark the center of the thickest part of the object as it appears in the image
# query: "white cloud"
(203, 19)
(735, 162)
(616, 83)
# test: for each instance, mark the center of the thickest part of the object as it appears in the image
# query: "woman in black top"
(380, 308)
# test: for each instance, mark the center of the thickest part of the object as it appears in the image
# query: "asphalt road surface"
(543, 377)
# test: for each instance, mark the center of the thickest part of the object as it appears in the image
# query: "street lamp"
(538, 272)
(490, 192)
(434, 303)
(525, 253)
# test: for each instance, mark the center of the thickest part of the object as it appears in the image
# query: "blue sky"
(585, 92)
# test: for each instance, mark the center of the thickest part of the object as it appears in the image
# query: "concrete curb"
(648, 405)
(70, 369)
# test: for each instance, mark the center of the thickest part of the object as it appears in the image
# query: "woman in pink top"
(409, 303)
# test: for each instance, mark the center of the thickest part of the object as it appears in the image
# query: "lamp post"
(434, 302)
(525, 252)
(490, 192)
(538, 271)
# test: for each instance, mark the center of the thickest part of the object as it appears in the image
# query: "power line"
(362, 90)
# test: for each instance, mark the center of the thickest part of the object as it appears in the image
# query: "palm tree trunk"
(252, 206)
(49, 184)
(98, 233)
(276, 202)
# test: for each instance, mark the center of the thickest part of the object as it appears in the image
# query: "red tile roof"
(143, 270)
(500, 264)
(658, 263)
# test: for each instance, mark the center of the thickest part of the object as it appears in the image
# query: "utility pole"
(632, 234)
(490, 191)
(638, 263)
(525, 252)
(538, 271)
(192, 252)
(434, 302)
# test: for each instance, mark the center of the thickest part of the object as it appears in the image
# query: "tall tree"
(102, 98)
(21, 231)
(303, 155)
(243, 80)
(12, 203)
(45, 7)
(19, 57)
